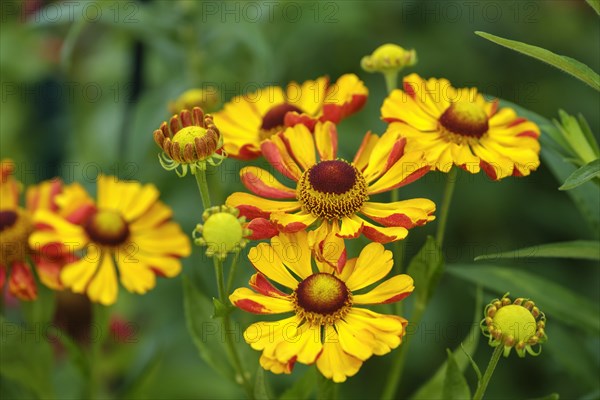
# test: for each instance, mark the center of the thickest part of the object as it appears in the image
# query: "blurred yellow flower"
(207, 99)
(129, 226)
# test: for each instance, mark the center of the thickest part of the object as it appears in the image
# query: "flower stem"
(234, 357)
(391, 80)
(395, 375)
(100, 324)
(203, 187)
(232, 270)
(487, 376)
(447, 199)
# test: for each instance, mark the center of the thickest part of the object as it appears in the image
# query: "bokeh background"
(84, 84)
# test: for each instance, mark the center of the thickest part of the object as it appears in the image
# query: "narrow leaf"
(261, 389)
(581, 175)
(432, 389)
(303, 388)
(580, 249)
(426, 269)
(595, 4)
(472, 362)
(564, 305)
(566, 64)
(205, 331)
(455, 384)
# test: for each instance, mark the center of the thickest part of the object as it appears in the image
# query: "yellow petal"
(334, 363)
(373, 263)
(78, 274)
(326, 140)
(390, 291)
(136, 276)
(305, 345)
(301, 145)
(293, 250)
(167, 239)
(103, 287)
(265, 260)
(257, 303)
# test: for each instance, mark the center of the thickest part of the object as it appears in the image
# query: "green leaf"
(581, 175)
(595, 4)
(26, 357)
(206, 332)
(326, 388)
(566, 64)
(472, 362)
(586, 198)
(433, 388)
(221, 310)
(148, 363)
(455, 384)
(559, 304)
(41, 311)
(303, 388)
(580, 249)
(261, 388)
(426, 269)
(551, 396)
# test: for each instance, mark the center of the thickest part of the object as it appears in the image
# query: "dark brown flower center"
(7, 219)
(322, 294)
(332, 189)
(107, 228)
(465, 119)
(273, 121)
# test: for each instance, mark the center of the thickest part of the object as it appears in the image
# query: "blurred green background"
(84, 84)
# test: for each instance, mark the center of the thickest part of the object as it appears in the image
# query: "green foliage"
(303, 387)
(566, 64)
(564, 305)
(583, 249)
(426, 268)
(455, 384)
(582, 175)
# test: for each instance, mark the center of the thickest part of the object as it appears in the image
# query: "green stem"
(487, 376)
(231, 349)
(203, 187)
(391, 80)
(232, 271)
(447, 199)
(100, 326)
(395, 375)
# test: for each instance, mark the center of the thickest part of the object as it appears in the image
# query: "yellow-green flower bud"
(223, 232)
(519, 324)
(207, 99)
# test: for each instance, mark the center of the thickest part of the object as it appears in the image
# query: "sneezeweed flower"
(17, 258)
(333, 193)
(519, 324)
(327, 326)
(459, 127)
(129, 225)
(247, 120)
(207, 99)
(189, 140)
(223, 231)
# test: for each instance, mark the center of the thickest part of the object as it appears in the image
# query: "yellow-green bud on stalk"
(389, 59)
(223, 231)
(519, 324)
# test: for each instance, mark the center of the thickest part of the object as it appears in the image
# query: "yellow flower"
(246, 121)
(128, 225)
(207, 99)
(327, 327)
(519, 324)
(459, 127)
(332, 192)
(16, 226)
(190, 139)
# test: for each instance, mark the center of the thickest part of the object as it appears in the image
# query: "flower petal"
(407, 169)
(406, 213)
(334, 363)
(305, 345)
(301, 145)
(262, 183)
(77, 275)
(276, 367)
(327, 246)
(361, 159)
(277, 155)
(384, 235)
(386, 330)
(265, 260)
(373, 263)
(103, 287)
(389, 291)
(261, 284)
(292, 249)
(290, 223)
(262, 228)
(351, 227)
(400, 107)
(326, 140)
(267, 335)
(252, 206)
(166, 239)
(257, 303)
(345, 97)
(136, 276)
